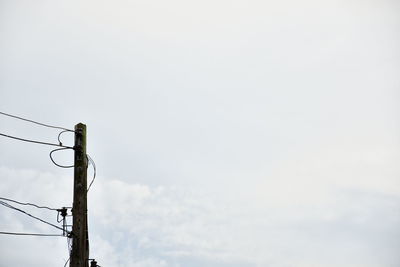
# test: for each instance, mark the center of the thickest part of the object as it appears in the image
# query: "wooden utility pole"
(80, 243)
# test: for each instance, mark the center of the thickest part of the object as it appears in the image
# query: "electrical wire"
(63, 212)
(59, 136)
(94, 170)
(28, 234)
(58, 218)
(27, 204)
(69, 251)
(67, 261)
(35, 122)
(34, 141)
(58, 165)
(30, 215)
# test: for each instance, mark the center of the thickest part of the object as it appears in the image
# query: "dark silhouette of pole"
(80, 243)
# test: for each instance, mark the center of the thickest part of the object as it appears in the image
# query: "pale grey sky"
(226, 133)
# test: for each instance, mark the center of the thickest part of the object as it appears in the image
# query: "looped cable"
(91, 161)
(55, 163)
(59, 135)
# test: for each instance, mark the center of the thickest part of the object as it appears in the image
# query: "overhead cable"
(30, 215)
(27, 204)
(29, 234)
(35, 122)
(34, 141)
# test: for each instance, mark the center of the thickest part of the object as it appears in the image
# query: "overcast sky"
(225, 133)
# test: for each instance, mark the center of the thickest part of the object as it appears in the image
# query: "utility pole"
(80, 240)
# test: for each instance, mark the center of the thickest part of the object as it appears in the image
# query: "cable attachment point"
(63, 212)
(93, 263)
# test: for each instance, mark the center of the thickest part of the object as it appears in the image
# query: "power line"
(59, 136)
(55, 163)
(34, 141)
(94, 170)
(30, 215)
(35, 122)
(27, 204)
(67, 261)
(28, 234)
(69, 251)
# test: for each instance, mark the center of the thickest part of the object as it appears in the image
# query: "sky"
(225, 133)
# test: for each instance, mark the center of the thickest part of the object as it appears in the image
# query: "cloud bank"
(141, 225)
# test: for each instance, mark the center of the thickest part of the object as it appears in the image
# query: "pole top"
(80, 127)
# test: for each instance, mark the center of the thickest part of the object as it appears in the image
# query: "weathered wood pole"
(80, 244)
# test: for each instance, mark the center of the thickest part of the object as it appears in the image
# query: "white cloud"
(141, 225)
(178, 224)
